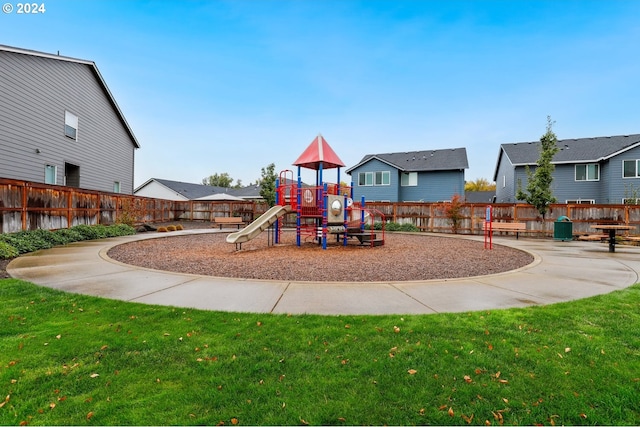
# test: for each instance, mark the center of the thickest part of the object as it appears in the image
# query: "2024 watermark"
(24, 8)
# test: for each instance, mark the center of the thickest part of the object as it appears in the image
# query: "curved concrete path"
(562, 271)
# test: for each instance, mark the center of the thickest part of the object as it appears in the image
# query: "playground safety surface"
(561, 271)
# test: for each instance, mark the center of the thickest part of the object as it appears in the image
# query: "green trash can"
(563, 229)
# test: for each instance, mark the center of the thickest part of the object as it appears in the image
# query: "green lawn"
(68, 359)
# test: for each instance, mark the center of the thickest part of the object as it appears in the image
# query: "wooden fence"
(28, 206)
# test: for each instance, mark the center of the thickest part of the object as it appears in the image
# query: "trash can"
(563, 229)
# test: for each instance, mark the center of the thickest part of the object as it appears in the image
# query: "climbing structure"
(326, 209)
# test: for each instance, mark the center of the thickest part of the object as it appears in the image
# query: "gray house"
(587, 170)
(177, 190)
(59, 124)
(428, 175)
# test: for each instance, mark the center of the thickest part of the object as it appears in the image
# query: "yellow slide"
(259, 225)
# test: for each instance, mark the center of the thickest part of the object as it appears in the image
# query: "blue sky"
(231, 86)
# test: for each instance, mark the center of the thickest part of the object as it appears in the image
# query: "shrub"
(25, 241)
(33, 240)
(69, 235)
(171, 228)
(179, 227)
(7, 251)
(162, 229)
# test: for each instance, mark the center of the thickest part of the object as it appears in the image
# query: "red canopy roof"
(318, 152)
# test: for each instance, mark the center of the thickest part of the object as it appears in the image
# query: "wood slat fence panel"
(28, 206)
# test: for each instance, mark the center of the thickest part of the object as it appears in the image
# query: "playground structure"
(321, 210)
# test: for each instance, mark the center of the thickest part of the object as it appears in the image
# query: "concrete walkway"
(562, 271)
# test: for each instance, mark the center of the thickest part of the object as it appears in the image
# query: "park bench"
(227, 220)
(516, 227)
(593, 237)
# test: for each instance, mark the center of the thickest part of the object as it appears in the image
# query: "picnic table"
(612, 228)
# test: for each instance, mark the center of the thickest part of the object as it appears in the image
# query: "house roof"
(205, 192)
(96, 72)
(579, 150)
(319, 151)
(421, 161)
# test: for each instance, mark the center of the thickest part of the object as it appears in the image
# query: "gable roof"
(572, 150)
(192, 191)
(92, 66)
(319, 151)
(186, 189)
(421, 161)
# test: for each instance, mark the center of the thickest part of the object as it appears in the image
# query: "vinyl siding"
(376, 192)
(506, 176)
(35, 93)
(434, 186)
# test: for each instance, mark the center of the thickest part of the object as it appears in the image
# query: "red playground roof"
(318, 152)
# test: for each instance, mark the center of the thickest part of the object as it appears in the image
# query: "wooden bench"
(227, 220)
(516, 227)
(593, 237)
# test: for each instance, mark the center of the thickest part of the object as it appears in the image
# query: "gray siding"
(506, 183)
(376, 192)
(434, 186)
(622, 187)
(34, 94)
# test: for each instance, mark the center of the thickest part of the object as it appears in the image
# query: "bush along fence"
(31, 206)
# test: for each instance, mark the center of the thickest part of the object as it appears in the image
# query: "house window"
(365, 178)
(504, 181)
(630, 168)
(71, 125)
(116, 186)
(50, 173)
(409, 179)
(382, 178)
(588, 172)
(374, 178)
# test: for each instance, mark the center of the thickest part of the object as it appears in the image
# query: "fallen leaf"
(303, 422)
(396, 329)
(584, 416)
(421, 411)
(94, 375)
(468, 379)
(412, 371)
(468, 419)
(52, 405)
(104, 347)
(234, 421)
(58, 336)
(450, 412)
(89, 415)
(342, 419)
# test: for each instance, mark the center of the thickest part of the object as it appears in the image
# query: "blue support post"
(325, 201)
(362, 214)
(346, 222)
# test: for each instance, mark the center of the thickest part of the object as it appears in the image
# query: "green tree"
(221, 180)
(480, 184)
(538, 192)
(268, 184)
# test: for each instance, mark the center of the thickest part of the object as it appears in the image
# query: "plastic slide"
(259, 225)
